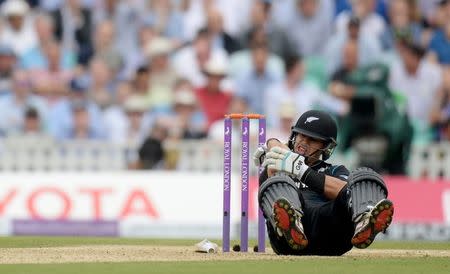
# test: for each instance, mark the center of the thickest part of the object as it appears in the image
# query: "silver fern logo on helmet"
(311, 119)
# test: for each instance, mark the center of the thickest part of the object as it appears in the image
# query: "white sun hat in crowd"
(287, 110)
(216, 67)
(184, 97)
(159, 46)
(135, 104)
(15, 7)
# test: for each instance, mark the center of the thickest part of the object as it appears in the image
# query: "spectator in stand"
(61, 121)
(182, 84)
(372, 24)
(214, 101)
(428, 11)
(417, 80)
(380, 6)
(445, 4)
(32, 126)
(122, 14)
(158, 51)
(264, 29)
(163, 75)
(137, 58)
(440, 14)
(51, 81)
(35, 57)
(252, 84)
(14, 106)
(439, 48)
(166, 19)
(101, 82)
(73, 27)
(141, 84)
(193, 14)
(128, 120)
(151, 152)
(287, 114)
(189, 62)
(235, 14)
(339, 86)
(185, 121)
(315, 19)
(441, 104)
(216, 130)
(139, 121)
(82, 129)
(241, 61)
(104, 47)
(369, 47)
(220, 39)
(304, 94)
(17, 30)
(114, 115)
(403, 23)
(7, 65)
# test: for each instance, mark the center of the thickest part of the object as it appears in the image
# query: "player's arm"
(332, 186)
(281, 159)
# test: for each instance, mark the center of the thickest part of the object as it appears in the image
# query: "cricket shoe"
(370, 223)
(288, 224)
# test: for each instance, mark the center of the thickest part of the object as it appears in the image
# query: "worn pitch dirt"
(130, 253)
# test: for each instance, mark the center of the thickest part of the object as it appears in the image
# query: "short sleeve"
(340, 172)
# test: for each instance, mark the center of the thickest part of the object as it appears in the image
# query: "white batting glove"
(259, 155)
(281, 159)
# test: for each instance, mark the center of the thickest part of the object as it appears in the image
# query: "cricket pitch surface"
(142, 253)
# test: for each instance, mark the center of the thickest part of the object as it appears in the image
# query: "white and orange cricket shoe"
(288, 224)
(370, 223)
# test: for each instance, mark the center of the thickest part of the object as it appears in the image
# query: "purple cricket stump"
(226, 184)
(261, 220)
(244, 182)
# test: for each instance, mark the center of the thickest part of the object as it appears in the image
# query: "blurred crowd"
(141, 72)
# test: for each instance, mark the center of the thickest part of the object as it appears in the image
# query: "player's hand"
(259, 155)
(281, 159)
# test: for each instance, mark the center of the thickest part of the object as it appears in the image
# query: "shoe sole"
(284, 215)
(379, 221)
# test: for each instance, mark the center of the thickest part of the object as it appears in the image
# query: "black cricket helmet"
(318, 125)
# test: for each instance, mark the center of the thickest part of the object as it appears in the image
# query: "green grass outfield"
(279, 264)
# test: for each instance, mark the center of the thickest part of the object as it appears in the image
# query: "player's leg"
(328, 224)
(280, 203)
(371, 210)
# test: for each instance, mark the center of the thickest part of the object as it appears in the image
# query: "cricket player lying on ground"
(312, 207)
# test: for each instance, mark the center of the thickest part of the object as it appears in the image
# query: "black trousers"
(328, 226)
